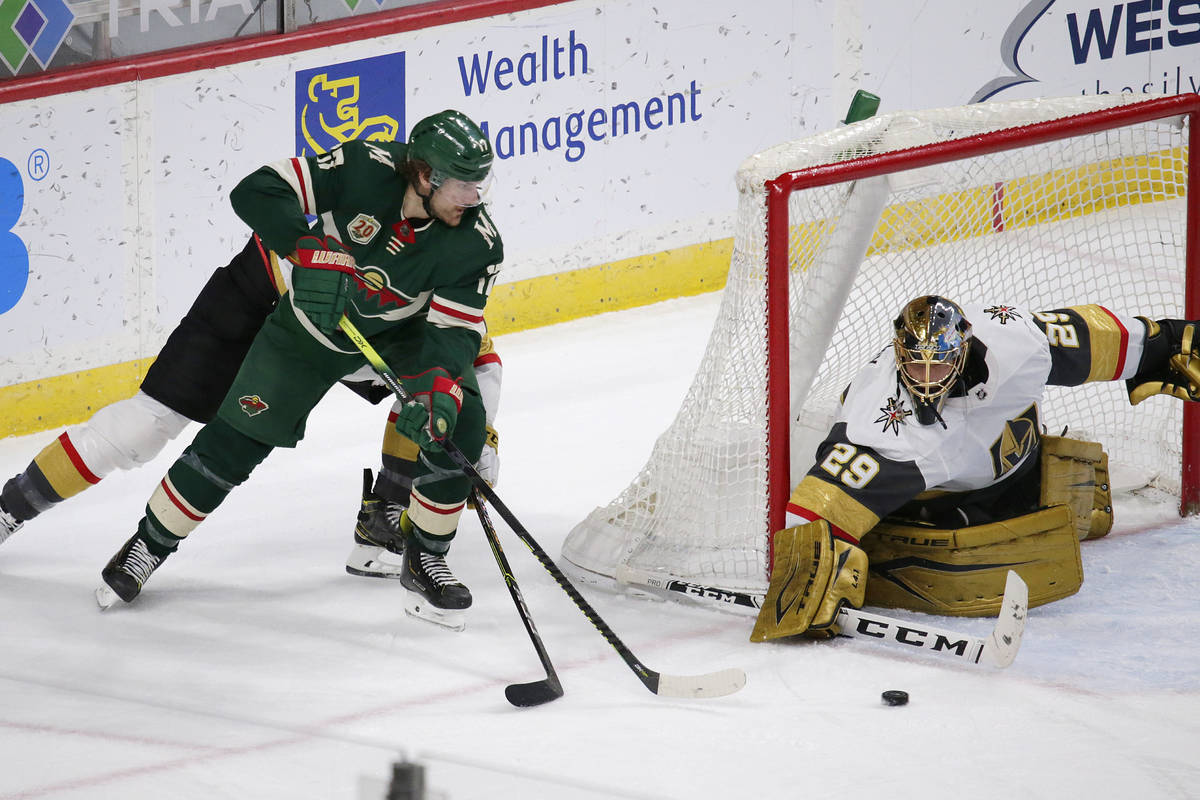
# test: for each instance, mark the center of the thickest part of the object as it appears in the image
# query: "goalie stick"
(712, 684)
(534, 693)
(997, 649)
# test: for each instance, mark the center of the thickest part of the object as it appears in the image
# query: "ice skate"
(127, 572)
(8, 524)
(378, 539)
(434, 594)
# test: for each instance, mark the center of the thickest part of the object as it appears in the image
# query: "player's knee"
(126, 434)
(226, 454)
(470, 431)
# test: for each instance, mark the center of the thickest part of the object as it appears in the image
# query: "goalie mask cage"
(1041, 203)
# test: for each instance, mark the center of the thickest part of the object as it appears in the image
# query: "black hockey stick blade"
(535, 693)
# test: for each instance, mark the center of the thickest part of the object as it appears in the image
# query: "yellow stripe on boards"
(629, 283)
(67, 399)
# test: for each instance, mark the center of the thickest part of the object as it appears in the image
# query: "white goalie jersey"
(878, 457)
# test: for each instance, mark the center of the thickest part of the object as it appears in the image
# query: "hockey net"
(1041, 203)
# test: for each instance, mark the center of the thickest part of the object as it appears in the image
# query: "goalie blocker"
(952, 572)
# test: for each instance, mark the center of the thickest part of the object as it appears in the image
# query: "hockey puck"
(895, 697)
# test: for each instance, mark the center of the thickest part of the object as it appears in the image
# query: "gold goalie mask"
(932, 340)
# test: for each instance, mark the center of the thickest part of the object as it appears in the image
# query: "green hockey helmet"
(456, 150)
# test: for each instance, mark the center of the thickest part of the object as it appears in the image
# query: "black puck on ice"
(895, 697)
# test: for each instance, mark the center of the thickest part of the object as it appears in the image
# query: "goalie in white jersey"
(937, 466)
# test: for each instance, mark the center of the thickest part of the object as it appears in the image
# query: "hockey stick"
(712, 684)
(536, 692)
(997, 649)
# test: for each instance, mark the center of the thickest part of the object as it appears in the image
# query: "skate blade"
(418, 606)
(106, 598)
(364, 560)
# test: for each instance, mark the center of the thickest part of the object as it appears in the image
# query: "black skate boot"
(376, 534)
(127, 572)
(434, 594)
(8, 524)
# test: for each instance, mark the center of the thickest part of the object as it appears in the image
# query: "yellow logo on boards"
(357, 100)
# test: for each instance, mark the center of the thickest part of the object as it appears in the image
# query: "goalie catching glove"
(321, 280)
(429, 419)
(1170, 362)
(813, 574)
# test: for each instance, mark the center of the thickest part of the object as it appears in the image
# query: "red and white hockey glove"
(429, 419)
(321, 280)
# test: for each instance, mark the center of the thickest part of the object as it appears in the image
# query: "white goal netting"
(1094, 218)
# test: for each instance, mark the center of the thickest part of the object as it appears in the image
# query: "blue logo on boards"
(14, 258)
(32, 27)
(361, 99)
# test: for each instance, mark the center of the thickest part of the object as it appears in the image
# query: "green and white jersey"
(405, 268)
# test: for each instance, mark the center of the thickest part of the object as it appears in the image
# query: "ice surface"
(253, 666)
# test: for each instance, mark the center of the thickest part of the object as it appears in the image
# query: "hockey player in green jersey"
(186, 382)
(409, 255)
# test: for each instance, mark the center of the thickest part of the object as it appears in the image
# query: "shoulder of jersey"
(1003, 317)
(1010, 333)
(386, 154)
(479, 233)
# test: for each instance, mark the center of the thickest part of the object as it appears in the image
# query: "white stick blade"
(714, 684)
(1005, 640)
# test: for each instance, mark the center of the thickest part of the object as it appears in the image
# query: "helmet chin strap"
(937, 416)
(922, 408)
(427, 202)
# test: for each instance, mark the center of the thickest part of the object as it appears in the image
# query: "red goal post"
(1043, 203)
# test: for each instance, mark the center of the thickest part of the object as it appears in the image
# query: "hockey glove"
(321, 280)
(488, 465)
(429, 419)
(813, 575)
(1170, 362)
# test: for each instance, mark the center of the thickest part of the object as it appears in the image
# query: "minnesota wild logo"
(893, 416)
(374, 286)
(252, 404)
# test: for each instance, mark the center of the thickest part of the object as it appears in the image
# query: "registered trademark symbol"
(38, 165)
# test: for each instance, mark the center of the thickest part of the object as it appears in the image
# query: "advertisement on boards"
(948, 53)
(617, 126)
(69, 283)
(1064, 47)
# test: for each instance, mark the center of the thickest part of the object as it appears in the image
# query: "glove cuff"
(329, 253)
(449, 387)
